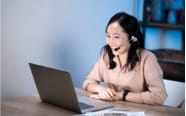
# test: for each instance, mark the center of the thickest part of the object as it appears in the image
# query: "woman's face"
(117, 39)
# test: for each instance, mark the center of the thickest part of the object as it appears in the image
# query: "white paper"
(114, 113)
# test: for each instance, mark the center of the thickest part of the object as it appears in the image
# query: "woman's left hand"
(103, 95)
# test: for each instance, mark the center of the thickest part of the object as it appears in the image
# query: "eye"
(107, 36)
(116, 37)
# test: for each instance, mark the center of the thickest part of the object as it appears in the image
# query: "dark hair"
(131, 26)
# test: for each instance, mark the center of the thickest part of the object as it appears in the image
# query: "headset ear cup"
(133, 39)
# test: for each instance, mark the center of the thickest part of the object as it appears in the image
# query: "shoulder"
(145, 54)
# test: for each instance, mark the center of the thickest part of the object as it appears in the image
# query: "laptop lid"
(56, 87)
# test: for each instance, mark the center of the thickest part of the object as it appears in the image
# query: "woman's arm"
(153, 75)
(155, 92)
(91, 84)
(134, 97)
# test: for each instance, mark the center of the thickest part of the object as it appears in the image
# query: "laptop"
(56, 87)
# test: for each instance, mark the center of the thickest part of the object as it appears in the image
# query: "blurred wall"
(63, 34)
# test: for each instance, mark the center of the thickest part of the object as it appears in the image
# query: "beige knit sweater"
(145, 78)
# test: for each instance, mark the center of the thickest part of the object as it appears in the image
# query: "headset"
(133, 39)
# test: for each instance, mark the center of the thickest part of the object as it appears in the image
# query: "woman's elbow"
(161, 99)
(154, 99)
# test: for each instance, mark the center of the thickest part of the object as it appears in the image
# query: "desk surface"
(31, 106)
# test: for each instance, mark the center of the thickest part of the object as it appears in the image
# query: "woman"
(129, 72)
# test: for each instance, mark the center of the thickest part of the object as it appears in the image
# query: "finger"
(101, 97)
(105, 94)
(111, 92)
(106, 97)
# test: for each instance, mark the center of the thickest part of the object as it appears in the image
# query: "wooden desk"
(31, 106)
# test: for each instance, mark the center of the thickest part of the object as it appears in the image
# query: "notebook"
(56, 87)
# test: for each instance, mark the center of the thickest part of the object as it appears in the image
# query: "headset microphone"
(116, 49)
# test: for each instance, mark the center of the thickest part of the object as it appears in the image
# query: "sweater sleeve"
(95, 76)
(156, 93)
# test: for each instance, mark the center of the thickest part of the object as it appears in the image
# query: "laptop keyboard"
(84, 105)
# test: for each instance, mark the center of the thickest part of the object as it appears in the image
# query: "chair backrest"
(176, 93)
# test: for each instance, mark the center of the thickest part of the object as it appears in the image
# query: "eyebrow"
(114, 33)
